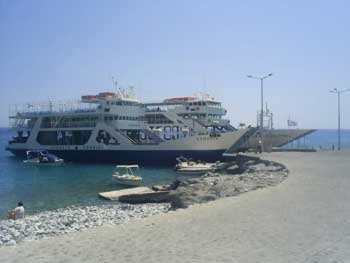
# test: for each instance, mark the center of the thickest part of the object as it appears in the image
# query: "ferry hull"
(158, 157)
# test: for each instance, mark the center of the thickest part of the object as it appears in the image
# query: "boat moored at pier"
(116, 127)
(42, 158)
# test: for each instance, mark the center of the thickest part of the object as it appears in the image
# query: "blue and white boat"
(42, 157)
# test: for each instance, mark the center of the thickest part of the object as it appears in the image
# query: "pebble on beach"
(246, 175)
(72, 219)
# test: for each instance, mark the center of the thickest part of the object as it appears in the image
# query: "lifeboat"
(104, 95)
(182, 99)
(89, 98)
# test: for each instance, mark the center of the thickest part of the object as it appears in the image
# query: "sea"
(51, 187)
(47, 188)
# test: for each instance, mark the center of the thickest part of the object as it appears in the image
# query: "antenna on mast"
(115, 83)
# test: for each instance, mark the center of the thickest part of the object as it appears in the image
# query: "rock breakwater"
(246, 175)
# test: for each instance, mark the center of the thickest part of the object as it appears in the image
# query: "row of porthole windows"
(92, 148)
(76, 147)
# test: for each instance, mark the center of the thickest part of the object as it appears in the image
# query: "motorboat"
(188, 166)
(128, 175)
(42, 157)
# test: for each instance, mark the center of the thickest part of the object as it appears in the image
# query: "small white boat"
(128, 175)
(186, 166)
(42, 158)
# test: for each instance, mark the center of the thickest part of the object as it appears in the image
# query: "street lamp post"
(262, 102)
(338, 92)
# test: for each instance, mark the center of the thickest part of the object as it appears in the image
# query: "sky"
(60, 50)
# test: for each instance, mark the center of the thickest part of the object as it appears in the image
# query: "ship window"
(116, 117)
(107, 102)
(107, 110)
(63, 137)
(190, 104)
(105, 138)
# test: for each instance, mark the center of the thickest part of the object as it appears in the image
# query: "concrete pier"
(304, 219)
(274, 138)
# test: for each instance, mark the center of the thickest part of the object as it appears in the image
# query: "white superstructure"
(115, 127)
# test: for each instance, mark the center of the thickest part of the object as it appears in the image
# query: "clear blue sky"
(62, 49)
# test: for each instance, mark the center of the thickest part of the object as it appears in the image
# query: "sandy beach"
(304, 219)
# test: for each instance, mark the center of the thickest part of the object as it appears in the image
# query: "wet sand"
(304, 219)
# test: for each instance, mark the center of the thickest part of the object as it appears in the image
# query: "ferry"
(115, 127)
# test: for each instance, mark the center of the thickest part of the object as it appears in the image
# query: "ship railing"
(79, 124)
(44, 108)
(164, 107)
(22, 123)
(213, 122)
(155, 110)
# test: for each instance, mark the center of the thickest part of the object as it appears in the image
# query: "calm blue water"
(324, 139)
(46, 188)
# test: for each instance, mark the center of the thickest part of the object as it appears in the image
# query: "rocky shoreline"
(73, 219)
(243, 175)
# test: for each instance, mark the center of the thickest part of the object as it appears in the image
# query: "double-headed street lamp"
(338, 92)
(262, 102)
